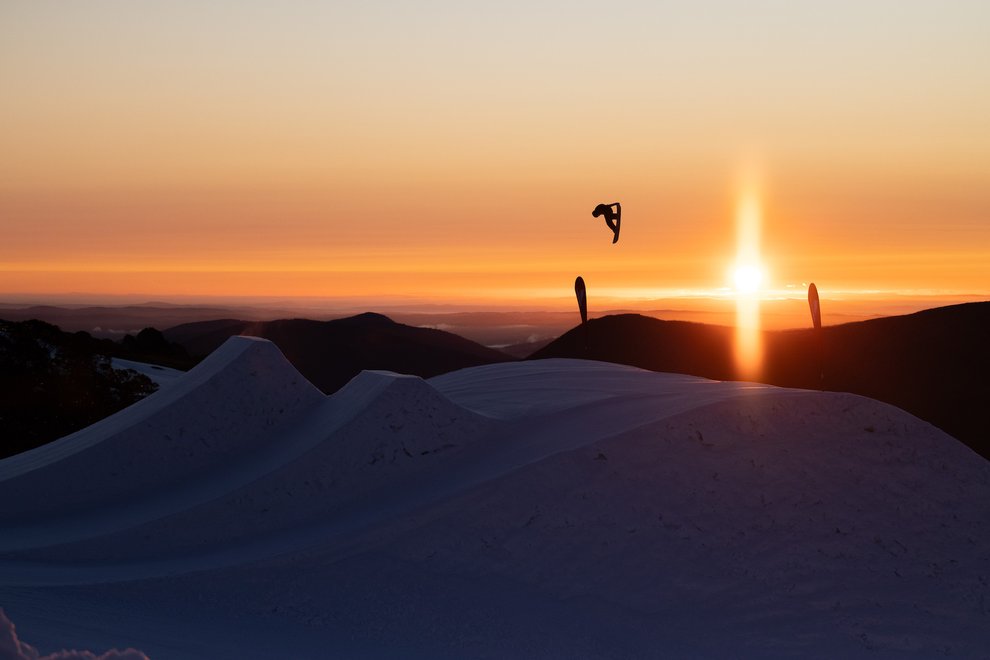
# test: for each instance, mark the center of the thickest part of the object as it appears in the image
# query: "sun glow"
(748, 276)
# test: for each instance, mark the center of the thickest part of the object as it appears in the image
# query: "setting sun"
(747, 278)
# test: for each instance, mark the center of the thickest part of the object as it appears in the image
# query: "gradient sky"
(454, 151)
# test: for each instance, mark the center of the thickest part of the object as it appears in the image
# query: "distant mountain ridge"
(115, 321)
(514, 333)
(330, 353)
(935, 363)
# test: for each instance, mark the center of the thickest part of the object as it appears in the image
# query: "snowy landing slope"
(556, 508)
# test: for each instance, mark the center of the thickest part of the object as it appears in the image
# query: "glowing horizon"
(453, 153)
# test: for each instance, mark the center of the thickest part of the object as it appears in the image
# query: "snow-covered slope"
(163, 376)
(556, 508)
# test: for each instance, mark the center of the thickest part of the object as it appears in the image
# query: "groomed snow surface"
(546, 509)
(163, 376)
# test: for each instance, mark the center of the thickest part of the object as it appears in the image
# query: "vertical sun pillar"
(747, 277)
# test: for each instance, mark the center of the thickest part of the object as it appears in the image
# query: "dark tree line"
(53, 383)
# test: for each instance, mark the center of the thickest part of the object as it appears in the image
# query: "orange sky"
(452, 152)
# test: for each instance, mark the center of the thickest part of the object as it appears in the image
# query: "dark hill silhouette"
(935, 364)
(113, 322)
(330, 353)
(642, 341)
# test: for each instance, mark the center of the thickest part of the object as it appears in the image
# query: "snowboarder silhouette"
(612, 218)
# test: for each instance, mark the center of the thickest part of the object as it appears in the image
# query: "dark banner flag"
(815, 305)
(582, 298)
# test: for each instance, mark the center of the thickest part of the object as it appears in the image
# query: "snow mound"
(408, 421)
(786, 524)
(380, 428)
(822, 525)
(227, 405)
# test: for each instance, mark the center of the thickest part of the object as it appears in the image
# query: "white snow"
(163, 376)
(557, 508)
